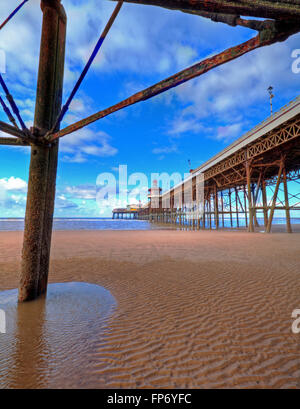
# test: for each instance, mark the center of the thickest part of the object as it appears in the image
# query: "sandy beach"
(194, 309)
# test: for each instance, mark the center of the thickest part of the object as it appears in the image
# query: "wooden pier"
(126, 214)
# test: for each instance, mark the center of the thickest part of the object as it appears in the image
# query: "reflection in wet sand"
(49, 341)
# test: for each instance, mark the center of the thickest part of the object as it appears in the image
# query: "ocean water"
(49, 342)
(17, 224)
(242, 222)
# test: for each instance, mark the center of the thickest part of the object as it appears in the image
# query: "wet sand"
(194, 309)
(47, 340)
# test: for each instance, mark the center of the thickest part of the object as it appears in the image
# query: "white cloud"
(62, 203)
(165, 149)
(150, 43)
(138, 42)
(184, 54)
(229, 132)
(13, 195)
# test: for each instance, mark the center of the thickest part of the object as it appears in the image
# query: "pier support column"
(254, 200)
(248, 173)
(287, 205)
(216, 206)
(265, 202)
(222, 204)
(237, 207)
(204, 212)
(43, 163)
(230, 207)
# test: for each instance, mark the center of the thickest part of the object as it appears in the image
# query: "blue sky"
(146, 44)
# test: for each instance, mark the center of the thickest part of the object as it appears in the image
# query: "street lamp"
(270, 89)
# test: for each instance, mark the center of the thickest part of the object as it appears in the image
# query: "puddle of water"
(50, 342)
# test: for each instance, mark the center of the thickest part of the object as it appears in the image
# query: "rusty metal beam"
(12, 130)
(13, 14)
(289, 9)
(88, 65)
(250, 206)
(278, 137)
(43, 163)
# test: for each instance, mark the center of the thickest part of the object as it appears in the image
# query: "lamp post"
(270, 89)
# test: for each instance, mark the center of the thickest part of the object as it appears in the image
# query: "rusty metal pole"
(43, 165)
(245, 206)
(222, 203)
(209, 209)
(265, 201)
(216, 207)
(272, 210)
(204, 212)
(254, 200)
(230, 207)
(57, 87)
(287, 205)
(237, 208)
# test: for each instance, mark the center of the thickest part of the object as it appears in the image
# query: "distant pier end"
(131, 212)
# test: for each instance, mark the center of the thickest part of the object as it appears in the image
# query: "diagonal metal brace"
(8, 113)
(272, 33)
(13, 142)
(88, 65)
(12, 103)
(13, 14)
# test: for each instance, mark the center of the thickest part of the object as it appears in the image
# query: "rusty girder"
(12, 130)
(13, 13)
(279, 9)
(270, 33)
(286, 14)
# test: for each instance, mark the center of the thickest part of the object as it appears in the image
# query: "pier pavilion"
(125, 214)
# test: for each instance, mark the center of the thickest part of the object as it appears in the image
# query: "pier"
(125, 214)
(241, 182)
(269, 156)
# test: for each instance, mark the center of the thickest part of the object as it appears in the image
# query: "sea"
(17, 224)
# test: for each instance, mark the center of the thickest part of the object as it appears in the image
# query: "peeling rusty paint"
(280, 9)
